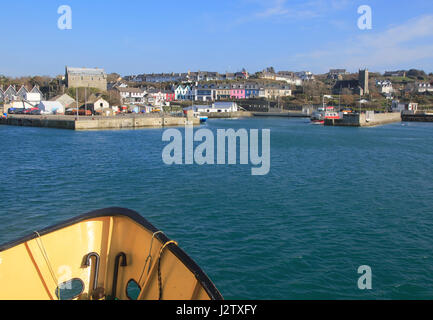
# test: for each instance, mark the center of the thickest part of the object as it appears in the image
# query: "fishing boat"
(111, 253)
(332, 115)
(318, 117)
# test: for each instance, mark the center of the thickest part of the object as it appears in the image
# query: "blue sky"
(143, 36)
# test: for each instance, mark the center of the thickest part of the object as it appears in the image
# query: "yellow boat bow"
(111, 253)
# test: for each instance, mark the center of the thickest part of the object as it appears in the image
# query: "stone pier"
(368, 119)
(99, 123)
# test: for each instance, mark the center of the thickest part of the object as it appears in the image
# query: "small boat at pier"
(203, 119)
(318, 117)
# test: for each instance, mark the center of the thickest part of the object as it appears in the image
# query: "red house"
(169, 95)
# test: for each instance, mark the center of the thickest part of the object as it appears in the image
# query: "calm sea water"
(335, 199)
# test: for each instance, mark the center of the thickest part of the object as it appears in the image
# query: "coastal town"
(235, 152)
(90, 92)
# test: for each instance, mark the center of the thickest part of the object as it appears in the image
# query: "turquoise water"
(334, 199)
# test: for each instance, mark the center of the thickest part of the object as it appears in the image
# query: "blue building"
(251, 91)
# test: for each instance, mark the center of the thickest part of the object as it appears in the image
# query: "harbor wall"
(38, 121)
(368, 119)
(97, 123)
(281, 114)
(375, 119)
(132, 123)
(247, 114)
(418, 117)
(226, 115)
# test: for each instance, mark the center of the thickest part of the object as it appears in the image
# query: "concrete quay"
(227, 115)
(368, 119)
(98, 122)
(285, 114)
(418, 117)
(247, 114)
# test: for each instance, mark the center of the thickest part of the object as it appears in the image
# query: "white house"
(424, 87)
(183, 93)
(21, 94)
(98, 104)
(131, 95)
(10, 94)
(38, 91)
(156, 97)
(290, 80)
(285, 92)
(385, 86)
(305, 75)
(217, 107)
(225, 107)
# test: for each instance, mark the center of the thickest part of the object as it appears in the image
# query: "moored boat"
(332, 115)
(318, 117)
(112, 253)
(203, 119)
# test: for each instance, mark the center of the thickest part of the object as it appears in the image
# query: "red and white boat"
(331, 113)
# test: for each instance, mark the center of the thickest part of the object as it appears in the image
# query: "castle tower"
(363, 80)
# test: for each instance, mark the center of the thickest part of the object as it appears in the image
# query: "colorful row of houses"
(203, 92)
(231, 91)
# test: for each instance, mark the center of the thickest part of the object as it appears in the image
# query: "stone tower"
(363, 80)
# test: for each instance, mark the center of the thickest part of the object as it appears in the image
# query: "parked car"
(36, 111)
(16, 110)
(32, 111)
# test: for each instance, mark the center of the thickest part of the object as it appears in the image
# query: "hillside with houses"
(288, 90)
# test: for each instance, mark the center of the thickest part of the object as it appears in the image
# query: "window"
(69, 290)
(132, 290)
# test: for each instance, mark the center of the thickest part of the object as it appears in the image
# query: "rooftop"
(87, 71)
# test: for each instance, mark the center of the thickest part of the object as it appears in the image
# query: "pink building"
(237, 92)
